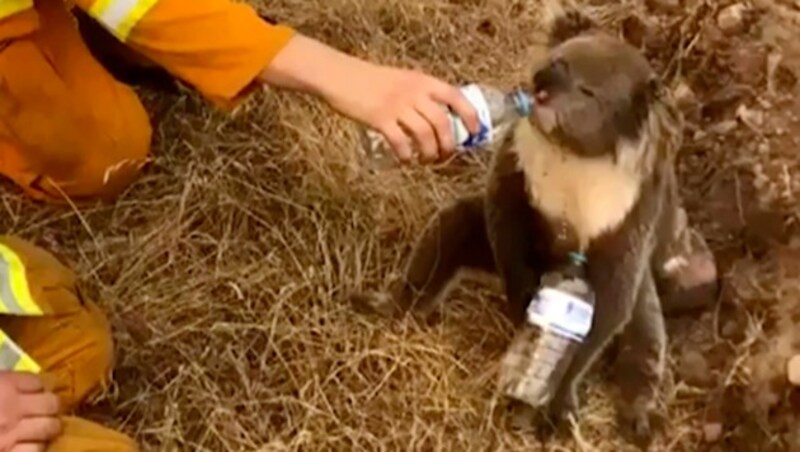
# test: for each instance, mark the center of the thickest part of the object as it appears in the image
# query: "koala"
(591, 171)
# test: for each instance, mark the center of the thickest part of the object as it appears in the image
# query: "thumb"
(29, 447)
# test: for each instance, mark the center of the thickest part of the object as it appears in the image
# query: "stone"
(724, 127)
(693, 369)
(730, 328)
(664, 5)
(793, 370)
(712, 432)
(752, 118)
(731, 19)
(685, 97)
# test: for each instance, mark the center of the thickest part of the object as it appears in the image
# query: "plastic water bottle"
(561, 316)
(497, 110)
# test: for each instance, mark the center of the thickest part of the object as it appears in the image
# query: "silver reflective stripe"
(6, 294)
(8, 355)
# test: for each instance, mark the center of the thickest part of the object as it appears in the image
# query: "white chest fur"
(591, 195)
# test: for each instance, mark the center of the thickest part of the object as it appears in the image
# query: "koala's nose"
(550, 77)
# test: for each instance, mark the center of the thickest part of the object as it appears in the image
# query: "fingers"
(423, 133)
(42, 404)
(36, 429)
(439, 120)
(29, 447)
(27, 382)
(397, 138)
(425, 122)
(452, 96)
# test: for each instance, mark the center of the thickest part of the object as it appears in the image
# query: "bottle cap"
(578, 258)
(523, 102)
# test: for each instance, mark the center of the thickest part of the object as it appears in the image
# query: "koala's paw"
(373, 303)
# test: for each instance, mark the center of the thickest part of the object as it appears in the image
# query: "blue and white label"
(465, 139)
(561, 312)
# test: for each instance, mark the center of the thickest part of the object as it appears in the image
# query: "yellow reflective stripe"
(13, 358)
(120, 16)
(9, 7)
(98, 7)
(27, 364)
(15, 295)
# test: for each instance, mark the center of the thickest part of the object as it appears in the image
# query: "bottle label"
(561, 312)
(462, 136)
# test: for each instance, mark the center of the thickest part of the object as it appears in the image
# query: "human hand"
(406, 106)
(28, 413)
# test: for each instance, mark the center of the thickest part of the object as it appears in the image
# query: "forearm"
(307, 65)
(387, 99)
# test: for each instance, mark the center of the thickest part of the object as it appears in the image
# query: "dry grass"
(223, 270)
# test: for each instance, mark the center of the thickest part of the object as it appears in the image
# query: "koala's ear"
(655, 88)
(565, 21)
(631, 112)
(647, 93)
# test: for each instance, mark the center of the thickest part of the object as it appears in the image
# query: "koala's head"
(592, 90)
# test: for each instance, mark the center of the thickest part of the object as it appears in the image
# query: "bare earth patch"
(224, 268)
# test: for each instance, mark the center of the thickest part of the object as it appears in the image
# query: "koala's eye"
(560, 65)
(586, 91)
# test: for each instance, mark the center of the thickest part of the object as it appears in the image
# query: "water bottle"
(497, 111)
(561, 316)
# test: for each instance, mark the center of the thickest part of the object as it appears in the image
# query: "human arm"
(385, 98)
(224, 49)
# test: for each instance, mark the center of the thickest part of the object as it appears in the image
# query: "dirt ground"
(223, 269)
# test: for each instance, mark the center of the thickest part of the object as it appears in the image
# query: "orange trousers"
(68, 128)
(72, 346)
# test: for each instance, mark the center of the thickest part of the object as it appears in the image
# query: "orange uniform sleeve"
(216, 46)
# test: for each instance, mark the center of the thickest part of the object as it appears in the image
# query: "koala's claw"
(639, 426)
(563, 406)
(373, 303)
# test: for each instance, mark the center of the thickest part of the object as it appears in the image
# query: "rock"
(752, 118)
(635, 30)
(749, 62)
(731, 19)
(765, 104)
(693, 368)
(685, 97)
(724, 99)
(793, 370)
(712, 432)
(723, 127)
(664, 5)
(699, 135)
(730, 328)
(774, 60)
